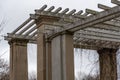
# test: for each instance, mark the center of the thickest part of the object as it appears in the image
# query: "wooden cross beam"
(22, 25)
(73, 22)
(95, 19)
(115, 2)
(104, 7)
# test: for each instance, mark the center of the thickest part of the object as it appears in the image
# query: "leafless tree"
(4, 70)
(32, 76)
(2, 24)
(84, 76)
(4, 67)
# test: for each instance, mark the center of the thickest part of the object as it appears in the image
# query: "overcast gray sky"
(14, 12)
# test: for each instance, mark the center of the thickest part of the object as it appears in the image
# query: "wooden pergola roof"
(91, 29)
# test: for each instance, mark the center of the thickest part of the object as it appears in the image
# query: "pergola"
(56, 32)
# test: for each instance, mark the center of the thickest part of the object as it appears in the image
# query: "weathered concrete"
(108, 64)
(18, 59)
(41, 55)
(43, 48)
(63, 58)
(48, 61)
(55, 58)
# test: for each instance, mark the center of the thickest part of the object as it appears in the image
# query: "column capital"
(44, 19)
(107, 50)
(18, 59)
(67, 32)
(18, 41)
(48, 41)
(108, 63)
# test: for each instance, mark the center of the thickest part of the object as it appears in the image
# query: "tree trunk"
(108, 64)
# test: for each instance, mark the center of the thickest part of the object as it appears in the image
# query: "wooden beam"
(27, 27)
(77, 15)
(95, 19)
(115, 2)
(85, 14)
(112, 23)
(57, 10)
(93, 47)
(101, 6)
(96, 43)
(79, 12)
(64, 11)
(91, 11)
(83, 46)
(20, 36)
(115, 33)
(90, 21)
(41, 9)
(50, 9)
(106, 27)
(30, 31)
(80, 16)
(99, 43)
(33, 34)
(72, 12)
(22, 25)
(98, 38)
(98, 34)
(34, 16)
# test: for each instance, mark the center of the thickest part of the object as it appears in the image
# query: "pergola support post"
(63, 57)
(41, 55)
(44, 48)
(18, 59)
(108, 64)
(48, 61)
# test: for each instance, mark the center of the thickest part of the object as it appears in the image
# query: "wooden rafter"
(90, 27)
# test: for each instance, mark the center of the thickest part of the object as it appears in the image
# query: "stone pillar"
(63, 57)
(18, 59)
(43, 48)
(41, 56)
(48, 61)
(108, 64)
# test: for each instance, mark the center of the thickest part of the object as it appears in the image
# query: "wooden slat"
(101, 6)
(72, 12)
(95, 19)
(23, 24)
(115, 2)
(79, 12)
(57, 10)
(65, 11)
(41, 9)
(99, 34)
(98, 38)
(91, 20)
(30, 31)
(51, 8)
(91, 11)
(27, 27)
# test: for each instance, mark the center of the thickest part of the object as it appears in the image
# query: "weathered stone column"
(43, 47)
(41, 56)
(18, 59)
(108, 64)
(48, 61)
(63, 57)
